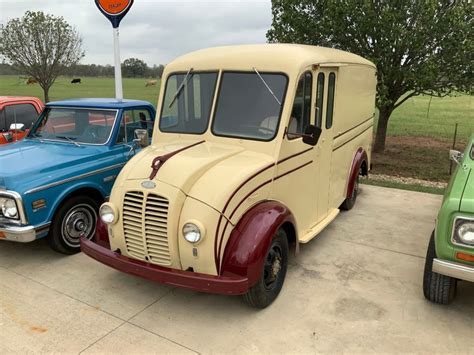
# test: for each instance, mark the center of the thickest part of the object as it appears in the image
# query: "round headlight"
(9, 208)
(191, 232)
(107, 214)
(466, 233)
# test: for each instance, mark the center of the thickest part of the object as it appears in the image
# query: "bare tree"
(41, 46)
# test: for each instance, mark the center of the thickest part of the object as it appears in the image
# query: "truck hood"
(208, 172)
(467, 200)
(30, 163)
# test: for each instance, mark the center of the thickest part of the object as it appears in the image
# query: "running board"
(313, 232)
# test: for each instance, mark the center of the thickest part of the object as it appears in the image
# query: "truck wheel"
(436, 287)
(75, 218)
(267, 288)
(350, 201)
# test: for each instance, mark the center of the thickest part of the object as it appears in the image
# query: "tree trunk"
(46, 94)
(381, 134)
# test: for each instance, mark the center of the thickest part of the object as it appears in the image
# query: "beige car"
(255, 150)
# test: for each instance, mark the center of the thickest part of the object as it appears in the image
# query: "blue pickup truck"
(53, 182)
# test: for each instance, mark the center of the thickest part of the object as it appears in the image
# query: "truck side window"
(132, 120)
(301, 112)
(330, 103)
(319, 99)
(22, 113)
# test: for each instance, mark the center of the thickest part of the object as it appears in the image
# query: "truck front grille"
(145, 227)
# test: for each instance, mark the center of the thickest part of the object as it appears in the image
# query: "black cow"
(76, 81)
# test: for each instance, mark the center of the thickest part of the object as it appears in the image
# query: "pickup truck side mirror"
(312, 134)
(455, 156)
(17, 127)
(141, 137)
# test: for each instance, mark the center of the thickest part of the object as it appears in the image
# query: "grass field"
(90, 87)
(420, 131)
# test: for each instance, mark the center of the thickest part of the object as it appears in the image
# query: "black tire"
(350, 201)
(436, 287)
(266, 290)
(74, 218)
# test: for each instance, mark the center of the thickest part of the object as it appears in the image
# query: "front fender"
(359, 158)
(249, 241)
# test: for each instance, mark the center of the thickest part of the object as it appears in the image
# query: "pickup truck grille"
(145, 227)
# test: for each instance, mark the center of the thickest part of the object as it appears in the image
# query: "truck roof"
(4, 99)
(274, 56)
(99, 103)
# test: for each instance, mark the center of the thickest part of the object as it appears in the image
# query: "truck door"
(325, 86)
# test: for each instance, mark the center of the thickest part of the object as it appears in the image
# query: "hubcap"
(78, 222)
(272, 267)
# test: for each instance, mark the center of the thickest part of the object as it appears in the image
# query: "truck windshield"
(249, 107)
(76, 126)
(187, 104)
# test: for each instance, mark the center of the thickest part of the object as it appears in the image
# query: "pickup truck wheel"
(350, 201)
(436, 287)
(75, 218)
(266, 290)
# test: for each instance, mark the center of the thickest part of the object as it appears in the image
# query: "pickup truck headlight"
(464, 231)
(8, 208)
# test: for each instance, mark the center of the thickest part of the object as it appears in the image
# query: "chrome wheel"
(79, 221)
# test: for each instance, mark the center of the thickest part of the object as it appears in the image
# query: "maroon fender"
(359, 158)
(101, 234)
(249, 241)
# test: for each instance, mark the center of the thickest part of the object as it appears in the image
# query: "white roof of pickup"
(265, 57)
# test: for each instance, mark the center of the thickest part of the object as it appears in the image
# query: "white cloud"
(156, 31)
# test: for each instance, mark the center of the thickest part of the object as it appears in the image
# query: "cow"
(76, 81)
(31, 81)
(151, 82)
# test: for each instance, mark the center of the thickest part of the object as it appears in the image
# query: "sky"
(155, 31)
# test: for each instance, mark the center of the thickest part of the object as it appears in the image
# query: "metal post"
(454, 146)
(118, 69)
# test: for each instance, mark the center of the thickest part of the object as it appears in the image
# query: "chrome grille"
(146, 217)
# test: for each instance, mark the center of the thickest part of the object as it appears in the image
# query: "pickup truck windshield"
(187, 103)
(249, 107)
(75, 125)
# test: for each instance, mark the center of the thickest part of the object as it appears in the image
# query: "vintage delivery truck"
(256, 150)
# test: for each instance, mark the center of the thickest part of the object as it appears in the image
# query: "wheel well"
(85, 191)
(290, 234)
(364, 168)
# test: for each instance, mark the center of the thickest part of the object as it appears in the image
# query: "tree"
(419, 47)
(134, 67)
(41, 46)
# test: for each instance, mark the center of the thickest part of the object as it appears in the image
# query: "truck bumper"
(456, 270)
(186, 279)
(17, 233)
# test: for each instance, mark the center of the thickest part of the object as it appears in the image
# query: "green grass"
(133, 88)
(434, 117)
(409, 187)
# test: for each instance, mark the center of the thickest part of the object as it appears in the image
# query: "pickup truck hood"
(208, 172)
(31, 163)
(467, 200)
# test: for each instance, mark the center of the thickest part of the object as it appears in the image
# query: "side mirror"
(17, 127)
(311, 135)
(141, 137)
(455, 156)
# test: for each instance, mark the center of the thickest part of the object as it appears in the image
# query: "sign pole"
(118, 68)
(115, 11)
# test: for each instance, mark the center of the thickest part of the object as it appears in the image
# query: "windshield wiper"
(180, 87)
(69, 140)
(266, 85)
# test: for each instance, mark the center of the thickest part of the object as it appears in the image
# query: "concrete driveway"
(356, 288)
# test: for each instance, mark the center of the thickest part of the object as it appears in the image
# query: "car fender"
(359, 157)
(250, 239)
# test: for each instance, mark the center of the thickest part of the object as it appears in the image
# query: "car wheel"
(75, 218)
(350, 201)
(267, 288)
(436, 287)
